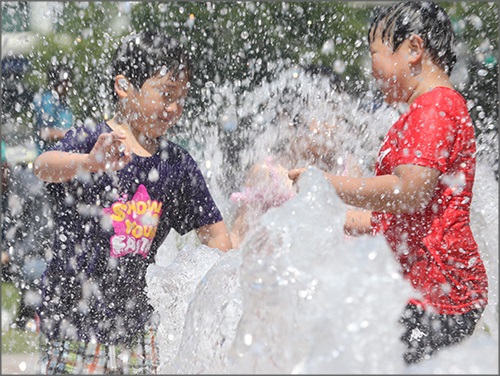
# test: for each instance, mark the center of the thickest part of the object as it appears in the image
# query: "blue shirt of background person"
(4, 156)
(53, 115)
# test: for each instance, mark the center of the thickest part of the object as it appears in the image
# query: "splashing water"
(299, 296)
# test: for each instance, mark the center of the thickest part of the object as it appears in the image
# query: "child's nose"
(172, 107)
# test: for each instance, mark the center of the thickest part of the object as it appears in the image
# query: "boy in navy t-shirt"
(120, 187)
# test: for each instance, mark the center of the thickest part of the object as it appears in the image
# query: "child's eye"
(167, 96)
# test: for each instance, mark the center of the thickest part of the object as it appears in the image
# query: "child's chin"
(163, 125)
(390, 99)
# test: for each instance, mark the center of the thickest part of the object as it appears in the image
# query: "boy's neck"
(430, 78)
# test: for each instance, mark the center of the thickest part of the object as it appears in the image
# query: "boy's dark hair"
(424, 18)
(58, 73)
(143, 55)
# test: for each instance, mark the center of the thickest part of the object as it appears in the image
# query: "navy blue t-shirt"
(108, 227)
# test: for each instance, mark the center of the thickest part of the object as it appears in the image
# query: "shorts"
(87, 358)
(425, 332)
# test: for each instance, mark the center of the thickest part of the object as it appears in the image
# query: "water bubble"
(153, 175)
(163, 71)
(339, 66)
(475, 21)
(328, 47)
(248, 339)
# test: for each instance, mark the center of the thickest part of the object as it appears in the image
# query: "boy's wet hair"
(58, 73)
(423, 18)
(144, 55)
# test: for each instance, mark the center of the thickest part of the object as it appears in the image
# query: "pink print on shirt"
(135, 223)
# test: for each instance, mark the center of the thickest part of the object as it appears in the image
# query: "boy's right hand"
(109, 153)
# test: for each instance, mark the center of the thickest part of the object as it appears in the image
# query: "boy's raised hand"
(109, 152)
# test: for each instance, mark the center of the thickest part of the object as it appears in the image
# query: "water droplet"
(154, 175)
(248, 339)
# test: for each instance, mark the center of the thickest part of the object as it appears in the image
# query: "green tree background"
(247, 42)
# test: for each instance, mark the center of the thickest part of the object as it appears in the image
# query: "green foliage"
(247, 42)
(14, 340)
(10, 297)
(87, 19)
(83, 39)
(18, 341)
(477, 27)
(15, 16)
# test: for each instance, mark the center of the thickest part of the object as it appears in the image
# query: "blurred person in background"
(303, 139)
(5, 184)
(53, 114)
(27, 228)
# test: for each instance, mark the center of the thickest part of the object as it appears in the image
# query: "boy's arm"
(240, 226)
(358, 222)
(215, 236)
(58, 166)
(52, 134)
(407, 190)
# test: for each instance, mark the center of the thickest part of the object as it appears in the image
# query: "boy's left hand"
(110, 152)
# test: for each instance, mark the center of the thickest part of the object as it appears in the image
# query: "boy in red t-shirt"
(421, 195)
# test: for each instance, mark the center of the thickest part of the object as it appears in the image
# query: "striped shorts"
(88, 358)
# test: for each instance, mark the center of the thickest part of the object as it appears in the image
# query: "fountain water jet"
(299, 297)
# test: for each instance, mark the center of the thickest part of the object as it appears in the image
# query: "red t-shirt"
(435, 246)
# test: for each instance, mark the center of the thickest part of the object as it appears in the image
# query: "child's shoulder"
(92, 128)
(174, 152)
(173, 147)
(440, 96)
(87, 132)
(441, 100)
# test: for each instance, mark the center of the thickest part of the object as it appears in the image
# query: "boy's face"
(390, 69)
(157, 105)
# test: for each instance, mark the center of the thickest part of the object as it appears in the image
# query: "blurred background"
(239, 45)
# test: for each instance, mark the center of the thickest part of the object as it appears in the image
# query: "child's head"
(150, 76)
(316, 142)
(144, 55)
(400, 21)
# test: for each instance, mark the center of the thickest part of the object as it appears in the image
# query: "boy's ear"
(416, 46)
(121, 86)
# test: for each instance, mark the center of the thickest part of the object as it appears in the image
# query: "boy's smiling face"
(157, 105)
(390, 69)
